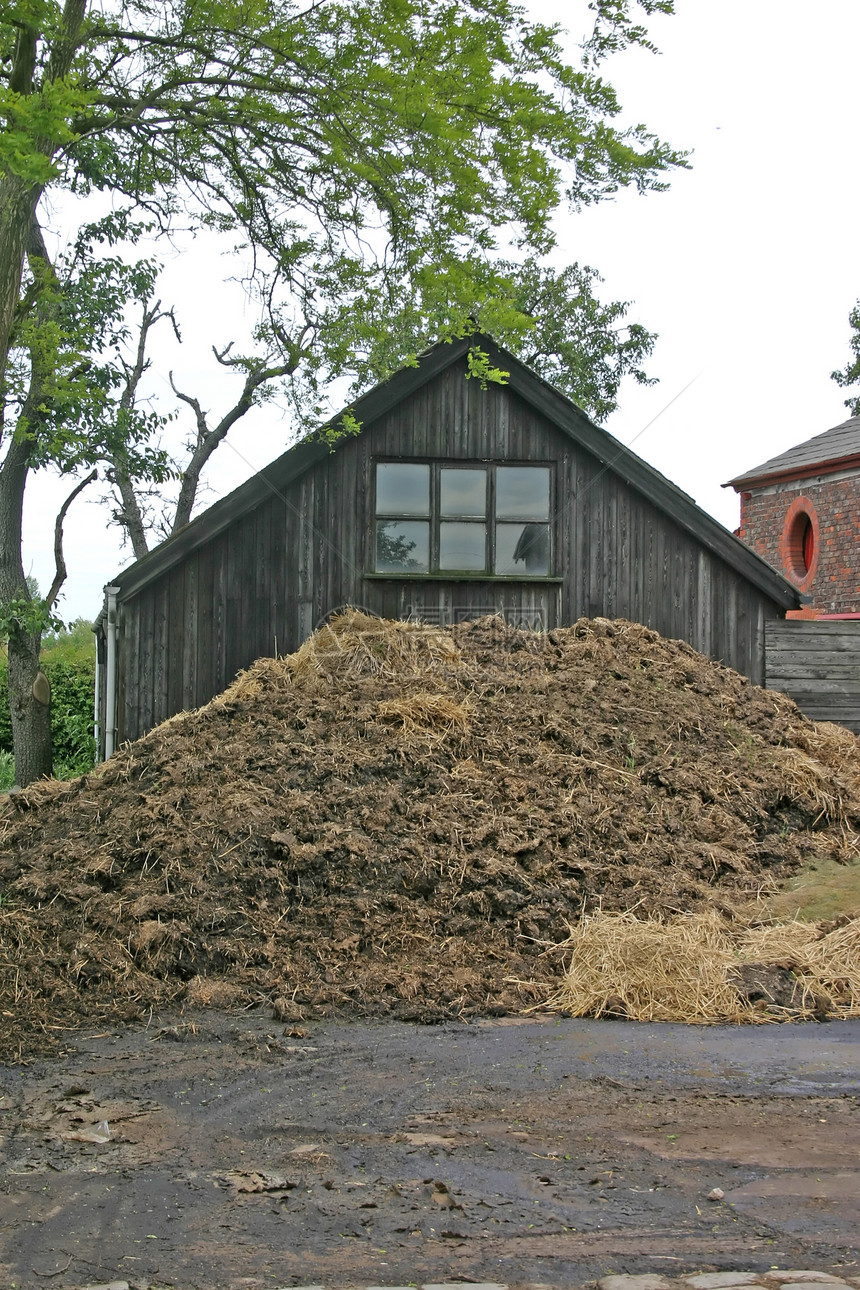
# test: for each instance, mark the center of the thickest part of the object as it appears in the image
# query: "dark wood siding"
(183, 638)
(265, 581)
(818, 665)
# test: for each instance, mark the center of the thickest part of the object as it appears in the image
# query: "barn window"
(403, 518)
(522, 520)
(463, 519)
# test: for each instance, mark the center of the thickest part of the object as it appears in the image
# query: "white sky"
(747, 268)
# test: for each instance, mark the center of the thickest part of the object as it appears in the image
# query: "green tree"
(581, 346)
(63, 364)
(69, 661)
(373, 155)
(850, 374)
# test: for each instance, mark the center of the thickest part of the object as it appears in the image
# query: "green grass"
(821, 891)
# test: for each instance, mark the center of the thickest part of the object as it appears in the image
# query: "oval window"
(798, 541)
(807, 543)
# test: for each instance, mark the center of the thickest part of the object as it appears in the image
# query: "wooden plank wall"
(818, 665)
(276, 572)
(183, 638)
(617, 554)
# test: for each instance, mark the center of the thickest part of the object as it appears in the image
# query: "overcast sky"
(747, 268)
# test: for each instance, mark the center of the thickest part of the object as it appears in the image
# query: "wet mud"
(217, 1150)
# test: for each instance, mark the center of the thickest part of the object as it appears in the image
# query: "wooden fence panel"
(818, 664)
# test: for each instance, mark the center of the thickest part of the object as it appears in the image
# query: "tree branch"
(61, 571)
(33, 408)
(36, 249)
(130, 515)
(24, 61)
(194, 404)
(208, 440)
(133, 374)
(63, 52)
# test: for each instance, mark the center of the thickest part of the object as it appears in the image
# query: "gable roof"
(836, 449)
(542, 396)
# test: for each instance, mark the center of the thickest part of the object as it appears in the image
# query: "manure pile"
(404, 821)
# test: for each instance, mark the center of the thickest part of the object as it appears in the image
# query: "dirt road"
(242, 1153)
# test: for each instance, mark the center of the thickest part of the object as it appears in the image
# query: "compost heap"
(402, 821)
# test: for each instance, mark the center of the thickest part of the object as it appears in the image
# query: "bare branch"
(194, 404)
(129, 514)
(222, 355)
(141, 363)
(208, 441)
(60, 575)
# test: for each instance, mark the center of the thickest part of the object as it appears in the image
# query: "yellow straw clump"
(688, 968)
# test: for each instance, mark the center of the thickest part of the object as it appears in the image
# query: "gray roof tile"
(833, 445)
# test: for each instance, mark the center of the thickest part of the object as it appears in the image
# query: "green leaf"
(850, 374)
(478, 367)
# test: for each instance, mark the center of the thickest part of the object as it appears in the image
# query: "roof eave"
(831, 466)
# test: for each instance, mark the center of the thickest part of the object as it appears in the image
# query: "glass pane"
(462, 546)
(402, 490)
(522, 493)
(402, 546)
(522, 548)
(463, 492)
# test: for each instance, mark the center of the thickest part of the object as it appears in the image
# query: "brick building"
(800, 511)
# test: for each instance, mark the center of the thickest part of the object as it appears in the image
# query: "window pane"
(463, 492)
(522, 493)
(402, 546)
(402, 490)
(522, 548)
(462, 546)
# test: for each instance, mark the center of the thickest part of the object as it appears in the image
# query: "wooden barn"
(453, 501)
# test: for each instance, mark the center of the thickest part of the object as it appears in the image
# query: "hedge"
(69, 664)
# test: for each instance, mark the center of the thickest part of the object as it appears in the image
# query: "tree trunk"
(29, 693)
(130, 516)
(30, 709)
(31, 717)
(17, 204)
(29, 696)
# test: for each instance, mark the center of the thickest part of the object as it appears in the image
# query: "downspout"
(97, 703)
(110, 680)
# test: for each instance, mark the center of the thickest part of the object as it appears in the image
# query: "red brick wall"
(771, 523)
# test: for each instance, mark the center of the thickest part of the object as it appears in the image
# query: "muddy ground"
(243, 1152)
